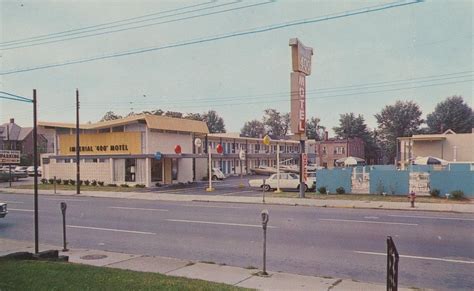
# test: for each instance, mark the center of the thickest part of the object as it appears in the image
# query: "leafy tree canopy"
(452, 113)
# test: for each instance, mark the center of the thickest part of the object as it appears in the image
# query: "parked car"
(31, 171)
(287, 181)
(3, 210)
(217, 174)
(5, 176)
(20, 172)
(5, 169)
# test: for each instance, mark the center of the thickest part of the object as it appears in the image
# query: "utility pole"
(9, 148)
(35, 165)
(78, 167)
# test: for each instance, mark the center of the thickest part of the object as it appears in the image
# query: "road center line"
(58, 199)
(217, 223)
(418, 257)
(136, 208)
(432, 217)
(13, 202)
(111, 229)
(212, 206)
(24, 210)
(372, 222)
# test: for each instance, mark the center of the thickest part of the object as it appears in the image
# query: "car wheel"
(266, 187)
(214, 177)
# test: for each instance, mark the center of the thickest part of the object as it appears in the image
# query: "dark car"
(3, 210)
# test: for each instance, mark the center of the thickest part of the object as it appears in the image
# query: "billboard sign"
(9, 157)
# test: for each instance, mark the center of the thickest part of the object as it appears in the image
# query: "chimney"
(12, 120)
(326, 135)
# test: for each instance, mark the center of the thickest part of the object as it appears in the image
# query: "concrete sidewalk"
(446, 207)
(196, 270)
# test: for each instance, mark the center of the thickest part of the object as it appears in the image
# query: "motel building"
(151, 150)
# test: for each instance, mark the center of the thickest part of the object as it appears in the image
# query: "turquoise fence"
(390, 182)
(333, 179)
(447, 181)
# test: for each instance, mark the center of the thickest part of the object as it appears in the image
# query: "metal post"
(265, 217)
(302, 182)
(209, 189)
(263, 191)
(63, 210)
(54, 183)
(78, 168)
(35, 164)
(278, 169)
(10, 148)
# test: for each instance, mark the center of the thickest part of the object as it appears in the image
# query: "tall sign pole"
(35, 164)
(301, 67)
(78, 166)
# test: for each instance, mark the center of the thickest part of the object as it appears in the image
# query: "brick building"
(15, 137)
(331, 149)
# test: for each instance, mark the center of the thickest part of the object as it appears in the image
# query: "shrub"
(44, 181)
(80, 182)
(111, 185)
(124, 185)
(139, 186)
(322, 190)
(72, 182)
(158, 184)
(435, 192)
(58, 181)
(51, 181)
(340, 190)
(66, 182)
(101, 183)
(93, 183)
(87, 182)
(457, 194)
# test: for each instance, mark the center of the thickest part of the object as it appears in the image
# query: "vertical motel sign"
(301, 66)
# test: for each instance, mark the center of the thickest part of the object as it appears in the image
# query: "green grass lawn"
(40, 275)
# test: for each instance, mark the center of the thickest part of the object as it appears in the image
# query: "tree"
(110, 115)
(313, 128)
(275, 123)
(452, 113)
(214, 122)
(351, 126)
(194, 116)
(173, 114)
(398, 120)
(253, 128)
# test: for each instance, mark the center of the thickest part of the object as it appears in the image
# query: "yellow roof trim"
(152, 121)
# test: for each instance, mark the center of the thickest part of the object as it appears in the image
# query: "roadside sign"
(304, 164)
(242, 155)
(157, 156)
(9, 157)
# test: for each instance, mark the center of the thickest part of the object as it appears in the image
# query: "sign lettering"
(9, 157)
(102, 143)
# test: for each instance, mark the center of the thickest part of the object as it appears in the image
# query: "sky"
(421, 52)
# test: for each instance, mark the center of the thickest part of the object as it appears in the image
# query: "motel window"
(130, 168)
(324, 151)
(90, 161)
(343, 150)
(118, 129)
(104, 130)
(101, 160)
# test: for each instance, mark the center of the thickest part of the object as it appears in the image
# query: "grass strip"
(42, 275)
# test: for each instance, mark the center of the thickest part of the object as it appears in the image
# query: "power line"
(327, 90)
(220, 37)
(150, 24)
(103, 24)
(286, 99)
(14, 97)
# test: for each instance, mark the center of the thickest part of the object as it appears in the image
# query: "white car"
(287, 181)
(31, 171)
(20, 169)
(217, 174)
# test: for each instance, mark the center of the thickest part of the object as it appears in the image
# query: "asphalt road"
(436, 248)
